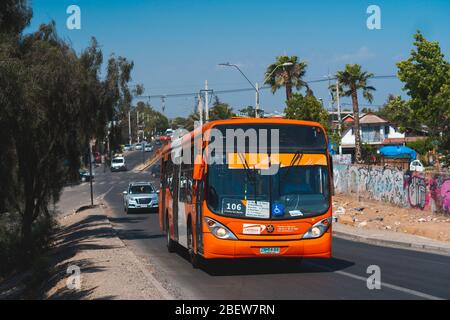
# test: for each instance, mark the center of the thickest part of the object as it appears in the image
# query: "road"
(405, 274)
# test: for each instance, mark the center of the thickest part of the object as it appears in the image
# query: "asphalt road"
(405, 274)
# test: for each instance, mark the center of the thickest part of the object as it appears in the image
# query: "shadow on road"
(76, 237)
(248, 266)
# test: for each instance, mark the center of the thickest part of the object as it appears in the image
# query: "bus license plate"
(269, 250)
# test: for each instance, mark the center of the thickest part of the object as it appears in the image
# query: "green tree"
(290, 77)
(220, 111)
(422, 146)
(306, 108)
(397, 111)
(15, 15)
(53, 104)
(426, 75)
(352, 79)
(248, 111)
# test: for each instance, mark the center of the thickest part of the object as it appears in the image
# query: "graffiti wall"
(425, 191)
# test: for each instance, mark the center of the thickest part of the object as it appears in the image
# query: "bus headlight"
(318, 229)
(219, 230)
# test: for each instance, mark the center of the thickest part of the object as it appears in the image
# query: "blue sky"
(176, 45)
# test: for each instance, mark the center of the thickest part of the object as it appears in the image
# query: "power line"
(189, 94)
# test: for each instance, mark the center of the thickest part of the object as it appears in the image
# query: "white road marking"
(383, 284)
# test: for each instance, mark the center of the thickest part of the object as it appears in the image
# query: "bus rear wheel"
(170, 242)
(193, 257)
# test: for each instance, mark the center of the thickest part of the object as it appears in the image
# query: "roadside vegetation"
(54, 101)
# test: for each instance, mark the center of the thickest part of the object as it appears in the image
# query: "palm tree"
(278, 75)
(352, 79)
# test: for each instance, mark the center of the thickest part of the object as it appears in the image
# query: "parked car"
(140, 196)
(138, 146)
(416, 165)
(128, 147)
(85, 176)
(118, 164)
(148, 148)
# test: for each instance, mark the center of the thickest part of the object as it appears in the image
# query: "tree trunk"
(288, 85)
(356, 125)
(288, 90)
(26, 238)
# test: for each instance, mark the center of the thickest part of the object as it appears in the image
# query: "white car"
(148, 148)
(138, 146)
(118, 164)
(140, 196)
(416, 165)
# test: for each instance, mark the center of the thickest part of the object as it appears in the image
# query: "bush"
(11, 257)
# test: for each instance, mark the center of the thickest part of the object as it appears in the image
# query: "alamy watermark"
(256, 148)
(373, 22)
(73, 21)
(73, 282)
(374, 280)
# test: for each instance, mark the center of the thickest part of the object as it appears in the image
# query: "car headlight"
(318, 229)
(219, 230)
(132, 200)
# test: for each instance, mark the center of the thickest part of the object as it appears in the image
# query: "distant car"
(155, 170)
(140, 196)
(416, 165)
(118, 164)
(127, 147)
(138, 146)
(148, 148)
(85, 176)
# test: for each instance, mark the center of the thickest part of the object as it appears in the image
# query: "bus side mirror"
(197, 174)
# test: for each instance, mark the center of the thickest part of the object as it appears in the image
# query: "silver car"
(140, 196)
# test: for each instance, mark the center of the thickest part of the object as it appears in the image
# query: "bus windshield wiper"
(295, 159)
(251, 173)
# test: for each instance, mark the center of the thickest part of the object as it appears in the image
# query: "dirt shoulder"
(376, 215)
(108, 269)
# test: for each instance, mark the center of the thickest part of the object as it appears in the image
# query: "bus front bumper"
(214, 248)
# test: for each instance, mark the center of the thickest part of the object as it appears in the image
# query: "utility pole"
(200, 108)
(339, 114)
(206, 102)
(129, 127)
(90, 174)
(137, 125)
(257, 101)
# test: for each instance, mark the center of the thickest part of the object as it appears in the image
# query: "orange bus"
(232, 200)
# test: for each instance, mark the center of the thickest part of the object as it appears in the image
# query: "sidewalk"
(109, 270)
(390, 239)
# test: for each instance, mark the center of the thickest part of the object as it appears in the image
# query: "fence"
(425, 191)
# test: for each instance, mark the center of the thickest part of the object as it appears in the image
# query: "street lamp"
(227, 64)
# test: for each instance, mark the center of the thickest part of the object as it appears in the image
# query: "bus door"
(163, 185)
(175, 188)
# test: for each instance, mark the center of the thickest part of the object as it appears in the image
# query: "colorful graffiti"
(425, 191)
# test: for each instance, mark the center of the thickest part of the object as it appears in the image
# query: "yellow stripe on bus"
(261, 160)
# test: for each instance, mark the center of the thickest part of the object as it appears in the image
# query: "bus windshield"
(299, 188)
(303, 191)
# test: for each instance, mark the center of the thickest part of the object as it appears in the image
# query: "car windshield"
(117, 160)
(139, 189)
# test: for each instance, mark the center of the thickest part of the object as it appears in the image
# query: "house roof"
(365, 118)
(370, 118)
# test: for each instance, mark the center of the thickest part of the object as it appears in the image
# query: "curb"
(393, 244)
